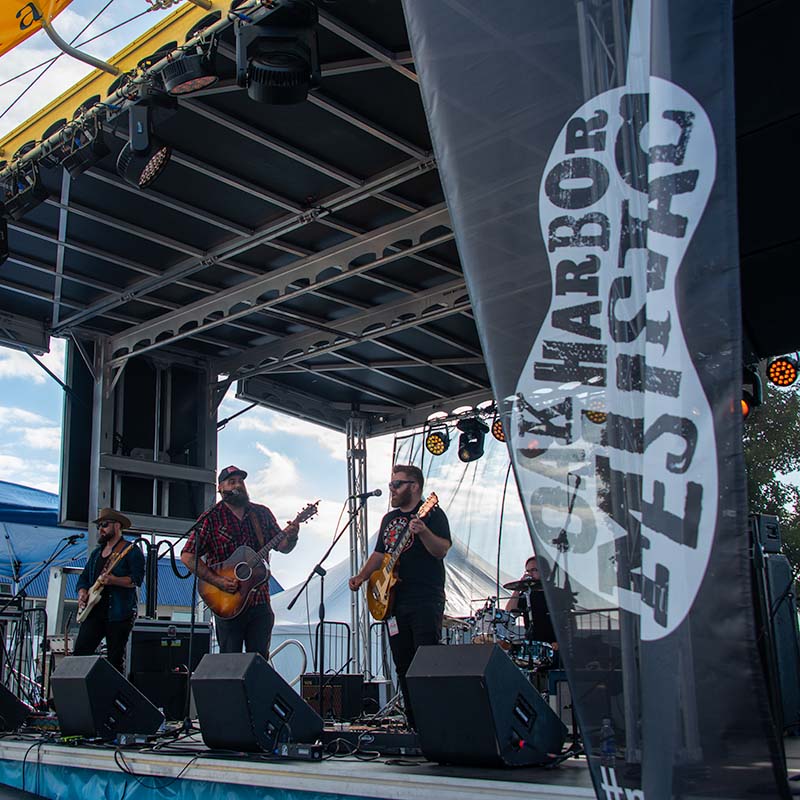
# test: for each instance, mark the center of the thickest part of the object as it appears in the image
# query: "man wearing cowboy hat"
(232, 522)
(112, 618)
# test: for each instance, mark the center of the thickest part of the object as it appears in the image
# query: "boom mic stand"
(320, 570)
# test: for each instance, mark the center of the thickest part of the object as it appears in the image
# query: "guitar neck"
(277, 539)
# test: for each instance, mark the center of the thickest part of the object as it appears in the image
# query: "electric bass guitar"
(96, 592)
(380, 585)
(249, 568)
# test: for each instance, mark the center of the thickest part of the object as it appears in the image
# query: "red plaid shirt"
(221, 532)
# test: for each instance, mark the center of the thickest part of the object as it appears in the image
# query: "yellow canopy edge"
(172, 28)
(19, 19)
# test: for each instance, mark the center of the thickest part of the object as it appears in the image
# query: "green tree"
(772, 457)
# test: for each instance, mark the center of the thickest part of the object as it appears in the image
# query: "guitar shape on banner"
(381, 583)
(96, 591)
(247, 566)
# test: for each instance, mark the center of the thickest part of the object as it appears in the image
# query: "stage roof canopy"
(305, 250)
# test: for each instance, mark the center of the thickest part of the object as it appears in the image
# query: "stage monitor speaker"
(162, 646)
(473, 706)
(342, 694)
(243, 704)
(92, 699)
(12, 710)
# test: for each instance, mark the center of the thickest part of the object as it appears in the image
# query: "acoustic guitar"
(96, 592)
(247, 566)
(380, 584)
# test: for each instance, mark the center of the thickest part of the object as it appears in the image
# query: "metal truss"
(270, 289)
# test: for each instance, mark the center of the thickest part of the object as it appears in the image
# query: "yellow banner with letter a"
(21, 18)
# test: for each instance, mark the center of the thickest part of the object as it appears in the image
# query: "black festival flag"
(586, 149)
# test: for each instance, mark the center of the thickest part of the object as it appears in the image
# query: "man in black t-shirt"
(418, 598)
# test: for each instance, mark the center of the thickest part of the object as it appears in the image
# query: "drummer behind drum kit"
(493, 625)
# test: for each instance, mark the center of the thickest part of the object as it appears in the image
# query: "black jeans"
(418, 623)
(252, 628)
(97, 627)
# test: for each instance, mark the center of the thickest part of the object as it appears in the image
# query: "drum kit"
(492, 624)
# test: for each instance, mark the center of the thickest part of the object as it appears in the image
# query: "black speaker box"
(162, 646)
(243, 704)
(473, 706)
(166, 691)
(342, 695)
(92, 699)
(12, 710)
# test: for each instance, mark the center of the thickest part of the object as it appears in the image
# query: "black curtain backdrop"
(587, 154)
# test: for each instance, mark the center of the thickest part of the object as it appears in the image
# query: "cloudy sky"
(290, 463)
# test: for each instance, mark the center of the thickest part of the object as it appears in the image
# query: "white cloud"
(18, 365)
(265, 421)
(14, 416)
(279, 473)
(46, 438)
(27, 472)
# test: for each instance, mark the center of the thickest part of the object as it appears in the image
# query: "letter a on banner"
(20, 19)
(587, 154)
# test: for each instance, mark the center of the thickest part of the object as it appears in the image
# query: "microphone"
(365, 495)
(74, 537)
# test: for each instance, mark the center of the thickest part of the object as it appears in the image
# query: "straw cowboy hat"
(111, 515)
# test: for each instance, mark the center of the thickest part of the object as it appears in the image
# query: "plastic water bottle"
(608, 747)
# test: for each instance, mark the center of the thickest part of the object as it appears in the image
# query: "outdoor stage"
(191, 771)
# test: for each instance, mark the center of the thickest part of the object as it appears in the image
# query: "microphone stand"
(187, 707)
(319, 570)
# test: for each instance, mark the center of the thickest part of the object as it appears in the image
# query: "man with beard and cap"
(113, 616)
(232, 522)
(418, 598)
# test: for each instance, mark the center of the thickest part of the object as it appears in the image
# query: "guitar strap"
(257, 528)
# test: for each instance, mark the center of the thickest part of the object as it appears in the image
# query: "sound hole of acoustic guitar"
(243, 571)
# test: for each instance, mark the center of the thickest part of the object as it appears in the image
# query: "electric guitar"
(380, 585)
(97, 588)
(249, 568)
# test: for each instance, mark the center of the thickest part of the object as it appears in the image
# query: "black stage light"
(23, 191)
(144, 156)
(438, 440)
(497, 430)
(751, 390)
(470, 443)
(194, 70)
(277, 59)
(782, 371)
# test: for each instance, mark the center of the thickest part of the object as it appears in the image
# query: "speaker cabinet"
(243, 704)
(92, 699)
(12, 710)
(342, 695)
(473, 706)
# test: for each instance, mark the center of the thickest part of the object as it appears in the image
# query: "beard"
(236, 497)
(106, 535)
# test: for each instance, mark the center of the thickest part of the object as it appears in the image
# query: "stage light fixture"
(437, 441)
(783, 371)
(194, 70)
(277, 58)
(143, 158)
(497, 430)
(470, 443)
(751, 390)
(23, 191)
(85, 147)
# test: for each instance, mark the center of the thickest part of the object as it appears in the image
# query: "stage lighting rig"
(85, 145)
(470, 443)
(143, 158)
(277, 57)
(783, 371)
(438, 440)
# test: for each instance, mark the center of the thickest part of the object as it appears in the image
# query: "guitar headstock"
(428, 505)
(309, 511)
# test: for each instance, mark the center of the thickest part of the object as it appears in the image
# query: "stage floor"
(394, 778)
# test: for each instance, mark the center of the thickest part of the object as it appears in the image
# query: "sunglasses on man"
(398, 483)
(105, 524)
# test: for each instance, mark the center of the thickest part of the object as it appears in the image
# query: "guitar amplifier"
(342, 695)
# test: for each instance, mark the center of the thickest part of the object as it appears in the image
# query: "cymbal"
(458, 623)
(525, 583)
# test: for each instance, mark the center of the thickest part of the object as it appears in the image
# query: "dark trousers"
(252, 628)
(97, 627)
(418, 624)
